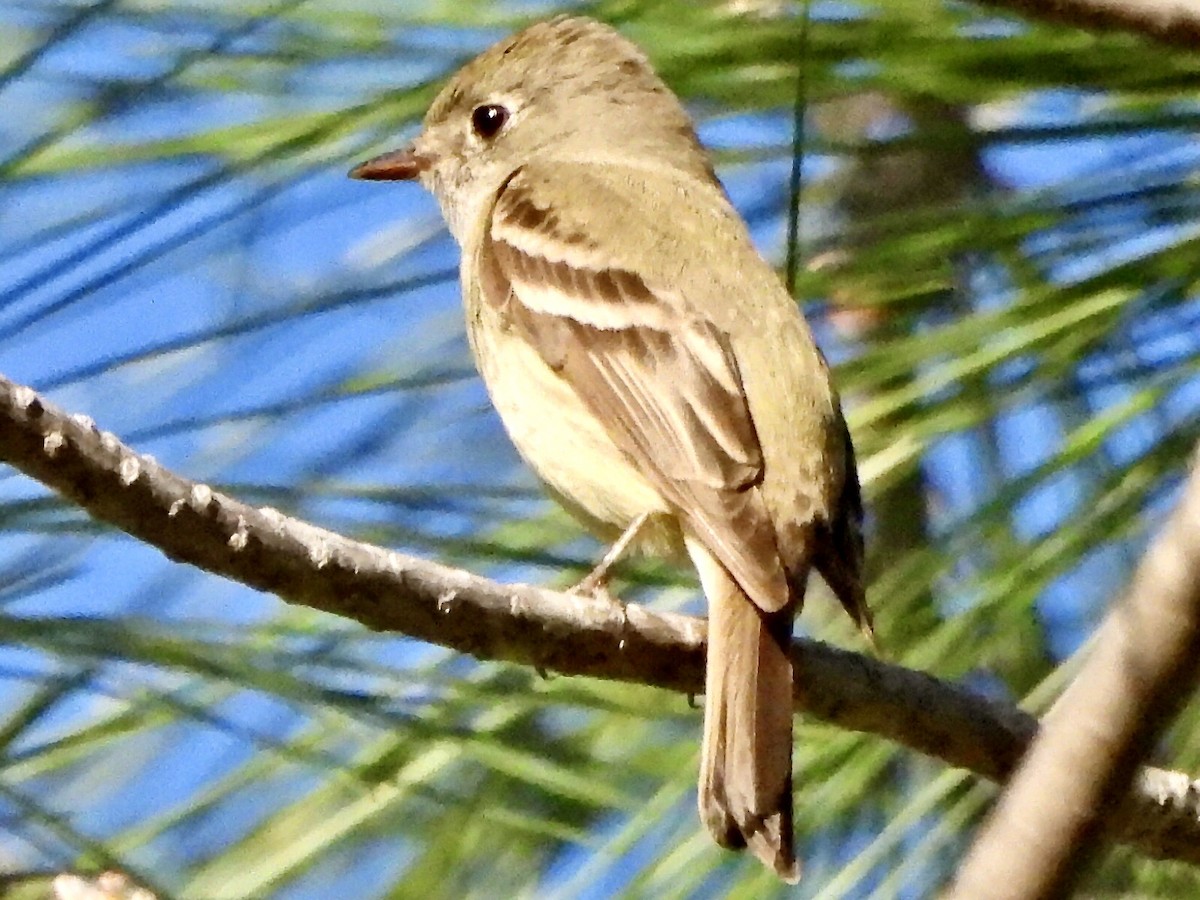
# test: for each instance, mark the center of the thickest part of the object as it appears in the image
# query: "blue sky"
(285, 284)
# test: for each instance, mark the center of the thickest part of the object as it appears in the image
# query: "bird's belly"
(564, 443)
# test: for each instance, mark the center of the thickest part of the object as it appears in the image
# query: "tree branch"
(389, 591)
(1167, 21)
(1142, 668)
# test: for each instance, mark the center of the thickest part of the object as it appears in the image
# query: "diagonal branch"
(1168, 21)
(1040, 838)
(389, 591)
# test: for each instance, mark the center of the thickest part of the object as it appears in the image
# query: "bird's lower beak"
(398, 165)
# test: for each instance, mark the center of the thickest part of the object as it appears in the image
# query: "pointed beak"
(398, 165)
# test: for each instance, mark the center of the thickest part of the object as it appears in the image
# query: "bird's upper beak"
(398, 165)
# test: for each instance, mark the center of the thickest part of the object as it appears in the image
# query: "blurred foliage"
(1000, 227)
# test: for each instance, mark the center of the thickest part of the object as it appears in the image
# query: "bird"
(651, 368)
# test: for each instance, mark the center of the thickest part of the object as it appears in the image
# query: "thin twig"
(796, 179)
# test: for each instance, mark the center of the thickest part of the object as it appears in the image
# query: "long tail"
(745, 791)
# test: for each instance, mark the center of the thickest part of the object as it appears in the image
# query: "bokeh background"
(998, 249)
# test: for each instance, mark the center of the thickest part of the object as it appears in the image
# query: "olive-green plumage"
(646, 360)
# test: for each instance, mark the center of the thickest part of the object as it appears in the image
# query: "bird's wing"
(662, 378)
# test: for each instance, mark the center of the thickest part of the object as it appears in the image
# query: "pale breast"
(563, 442)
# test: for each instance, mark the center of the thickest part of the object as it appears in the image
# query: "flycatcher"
(651, 368)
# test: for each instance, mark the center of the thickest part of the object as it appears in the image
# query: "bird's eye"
(487, 120)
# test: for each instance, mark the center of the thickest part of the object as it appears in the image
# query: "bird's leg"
(595, 584)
